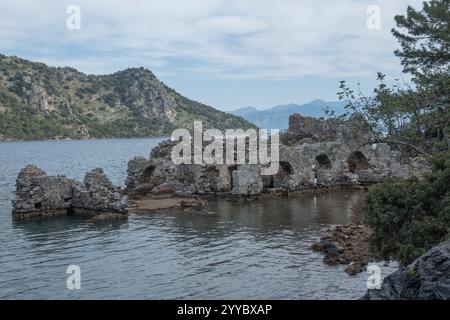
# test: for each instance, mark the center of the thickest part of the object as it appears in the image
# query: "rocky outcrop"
(38, 194)
(427, 278)
(348, 245)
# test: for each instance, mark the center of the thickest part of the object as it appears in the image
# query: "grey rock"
(355, 268)
(164, 188)
(427, 278)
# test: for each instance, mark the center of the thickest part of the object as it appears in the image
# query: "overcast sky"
(225, 53)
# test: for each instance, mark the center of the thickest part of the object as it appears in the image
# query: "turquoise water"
(236, 250)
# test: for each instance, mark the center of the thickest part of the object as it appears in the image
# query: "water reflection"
(62, 227)
(272, 215)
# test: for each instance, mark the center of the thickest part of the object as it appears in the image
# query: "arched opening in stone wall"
(231, 169)
(357, 161)
(147, 174)
(285, 170)
(324, 162)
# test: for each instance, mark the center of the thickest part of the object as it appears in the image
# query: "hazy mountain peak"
(317, 101)
(278, 116)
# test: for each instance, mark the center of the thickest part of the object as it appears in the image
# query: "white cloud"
(232, 39)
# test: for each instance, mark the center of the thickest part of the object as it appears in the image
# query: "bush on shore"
(409, 217)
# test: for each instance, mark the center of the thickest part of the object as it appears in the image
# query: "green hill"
(42, 102)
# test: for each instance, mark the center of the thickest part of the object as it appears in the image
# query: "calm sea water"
(237, 250)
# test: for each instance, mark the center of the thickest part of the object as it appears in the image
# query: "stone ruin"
(314, 153)
(38, 195)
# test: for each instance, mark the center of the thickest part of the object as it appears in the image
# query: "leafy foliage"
(408, 217)
(425, 40)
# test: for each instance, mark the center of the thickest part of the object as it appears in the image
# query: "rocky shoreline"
(427, 278)
(346, 245)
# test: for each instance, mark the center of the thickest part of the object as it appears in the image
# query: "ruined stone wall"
(38, 194)
(313, 153)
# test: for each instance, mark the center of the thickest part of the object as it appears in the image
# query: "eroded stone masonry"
(314, 153)
(38, 195)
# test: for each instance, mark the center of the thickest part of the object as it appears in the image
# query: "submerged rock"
(355, 268)
(193, 204)
(426, 278)
(164, 188)
(347, 244)
(38, 194)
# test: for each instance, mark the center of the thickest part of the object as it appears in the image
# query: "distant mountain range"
(42, 102)
(278, 117)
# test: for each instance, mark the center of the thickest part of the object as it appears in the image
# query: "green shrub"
(408, 217)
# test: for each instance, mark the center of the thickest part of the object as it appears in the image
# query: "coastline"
(2, 140)
(346, 245)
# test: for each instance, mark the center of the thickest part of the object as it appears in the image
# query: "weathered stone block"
(40, 195)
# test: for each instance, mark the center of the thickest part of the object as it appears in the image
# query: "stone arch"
(357, 161)
(211, 175)
(324, 162)
(285, 168)
(231, 169)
